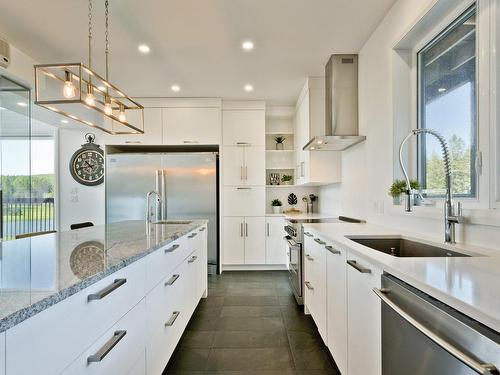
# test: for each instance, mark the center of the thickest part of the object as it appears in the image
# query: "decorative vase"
(279, 146)
(396, 200)
(276, 210)
(289, 182)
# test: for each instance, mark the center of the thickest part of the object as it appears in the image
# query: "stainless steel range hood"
(341, 118)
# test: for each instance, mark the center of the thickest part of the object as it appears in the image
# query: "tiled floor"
(250, 324)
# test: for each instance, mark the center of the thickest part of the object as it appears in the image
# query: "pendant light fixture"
(78, 92)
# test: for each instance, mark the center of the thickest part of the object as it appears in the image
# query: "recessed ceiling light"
(175, 88)
(64, 121)
(144, 48)
(22, 104)
(248, 88)
(247, 45)
(441, 89)
(101, 88)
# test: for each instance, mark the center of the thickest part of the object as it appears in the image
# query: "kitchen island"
(68, 297)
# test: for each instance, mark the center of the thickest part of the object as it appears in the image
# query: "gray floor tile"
(189, 359)
(250, 301)
(211, 301)
(229, 323)
(300, 323)
(249, 311)
(200, 322)
(242, 339)
(250, 359)
(197, 339)
(314, 358)
(251, 292)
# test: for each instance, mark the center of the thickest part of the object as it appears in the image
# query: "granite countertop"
(38, 272)
(468, 284)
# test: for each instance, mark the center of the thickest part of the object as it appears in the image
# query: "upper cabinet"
(313, 167)
(183, 126)
(244, 123)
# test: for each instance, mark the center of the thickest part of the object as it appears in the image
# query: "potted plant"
(276, 204)
(398, 187)
(286, 179)
(280, 140)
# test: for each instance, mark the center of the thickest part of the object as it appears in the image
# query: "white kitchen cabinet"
(139, 367)
(234, 240)
(243, 127)
(161, 262)
(364, 318)
(275, 244)
(255, 240)
(244, 200)
(337, 306)
(244, 165)
(184, 126)
(313, 167)
(153, 128)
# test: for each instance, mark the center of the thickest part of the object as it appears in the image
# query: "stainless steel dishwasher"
(421, 335)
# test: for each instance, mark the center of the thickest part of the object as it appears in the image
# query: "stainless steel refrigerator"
(186, 182)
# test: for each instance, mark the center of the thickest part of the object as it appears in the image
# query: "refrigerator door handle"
(163, 193)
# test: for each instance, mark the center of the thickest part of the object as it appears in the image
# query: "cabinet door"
(309, 287)
(244, 201)
(244, 126)
(255, 166)
(337, 306)
(191, 126)
(275, 244)
(363, 319)
(152, 131)
(319, 269)
(233, 165)
(255, 240)
(233, 240)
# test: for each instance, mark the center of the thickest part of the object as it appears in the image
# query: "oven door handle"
(480, 368)
(291, 242)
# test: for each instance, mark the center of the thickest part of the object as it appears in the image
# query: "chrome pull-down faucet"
(450, 217)
(148, 204)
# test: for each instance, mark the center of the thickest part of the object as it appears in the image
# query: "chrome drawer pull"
(479, 367)
(104, 292)
(332, 250)
(356, 266)
(192, 235)
(107, 347)
(171, 321)
(202, 229)
(309, 286)
(319, 241)
(193, 258)
(172, 280)
(189, 141)
(172, 248)
(243, 144)
(309, 257)
(308, 234)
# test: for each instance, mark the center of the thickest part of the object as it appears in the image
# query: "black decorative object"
(87, 163)
(292, 199)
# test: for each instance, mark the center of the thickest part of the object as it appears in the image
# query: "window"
(447, 103)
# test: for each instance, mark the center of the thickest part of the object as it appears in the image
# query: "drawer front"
(117, 350)
(166, 316)
(139, 367)
(244, 201)
(73, 324)
(163, 261)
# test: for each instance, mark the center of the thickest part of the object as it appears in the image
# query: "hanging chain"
(106, 50)
(90, 34)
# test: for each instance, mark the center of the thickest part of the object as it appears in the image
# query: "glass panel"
(447, 104)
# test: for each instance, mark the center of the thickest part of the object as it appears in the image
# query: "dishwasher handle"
(480, 368)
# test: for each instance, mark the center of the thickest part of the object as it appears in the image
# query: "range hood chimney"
(341, 118)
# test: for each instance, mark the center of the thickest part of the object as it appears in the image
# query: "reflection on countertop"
(37, 272)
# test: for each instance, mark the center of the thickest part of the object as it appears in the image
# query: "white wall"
(368, 168)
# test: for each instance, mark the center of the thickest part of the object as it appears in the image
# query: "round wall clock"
(87, 163)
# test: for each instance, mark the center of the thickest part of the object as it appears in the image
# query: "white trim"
(254, 267)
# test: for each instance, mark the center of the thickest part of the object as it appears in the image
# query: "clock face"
(87, 166)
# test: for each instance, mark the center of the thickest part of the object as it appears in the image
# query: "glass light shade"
(111, 110)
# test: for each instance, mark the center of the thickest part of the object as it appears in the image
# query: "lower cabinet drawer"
(165, 306)
(139, 367)
(118, 350)
(161, 262)
(55, 337)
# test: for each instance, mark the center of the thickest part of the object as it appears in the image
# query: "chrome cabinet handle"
(241, 173)
(191, 141)
(243, 188)
(172, 248)
(246, 229)
(309, 286)
(192, 235)
(267, 229)
(309, 257)
(107, 347)
(241, 229)
(104, 292)
(192, 259)
(202, 229)
(243, 144)
(332, 250)
(133, 142)
(171, 321)
(356, 266)
(172, 280)
(319, 241)
(308, 234)
(480, 368)
(246, 173)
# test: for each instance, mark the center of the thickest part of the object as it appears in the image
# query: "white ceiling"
(196, 43)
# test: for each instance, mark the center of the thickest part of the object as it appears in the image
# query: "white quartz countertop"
(469, 284)
(303, 215)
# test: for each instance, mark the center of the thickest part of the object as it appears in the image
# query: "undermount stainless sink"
(400, 247)
(172, 222)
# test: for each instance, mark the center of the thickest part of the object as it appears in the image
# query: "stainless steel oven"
(421, 335)
(294, 252)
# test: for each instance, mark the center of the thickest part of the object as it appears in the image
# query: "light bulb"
(122, 116)
(107, 105)
(89, 98)
(69, 89)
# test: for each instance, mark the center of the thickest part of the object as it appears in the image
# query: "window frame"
(420, 158)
